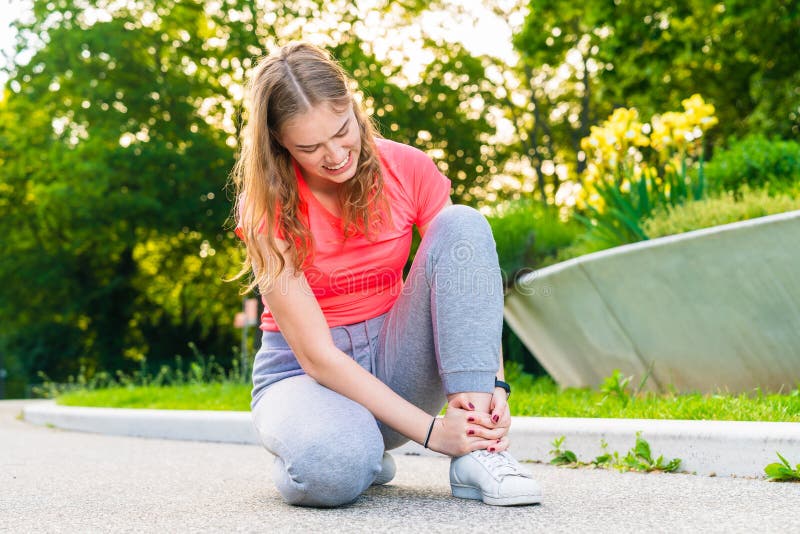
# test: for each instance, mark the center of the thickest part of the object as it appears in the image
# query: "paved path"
(59, 481)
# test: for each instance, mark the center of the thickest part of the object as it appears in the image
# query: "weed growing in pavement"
(638, 458)
(604, 459)
(783, 471)
(560, 456)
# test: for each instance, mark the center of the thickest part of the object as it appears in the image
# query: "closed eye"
(343, 131)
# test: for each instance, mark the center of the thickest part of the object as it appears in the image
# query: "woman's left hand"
(498, 419)
(500, 415)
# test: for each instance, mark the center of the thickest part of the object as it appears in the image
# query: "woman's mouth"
(341, 166)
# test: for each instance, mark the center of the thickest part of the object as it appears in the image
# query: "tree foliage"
(116, 140)
(580, 61)
(105, 150)
(118, 130)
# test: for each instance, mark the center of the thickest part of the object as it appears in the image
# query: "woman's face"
(326, 143)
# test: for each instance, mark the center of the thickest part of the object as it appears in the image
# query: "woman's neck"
(327, 194)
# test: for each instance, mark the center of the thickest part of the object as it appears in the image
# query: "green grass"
(214, 396)
(542, 397)
(531, 397)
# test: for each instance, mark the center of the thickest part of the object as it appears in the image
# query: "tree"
(114, 154)
(115, 145)
(579, 62)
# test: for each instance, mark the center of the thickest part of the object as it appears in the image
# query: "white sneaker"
(494, 477)
(388, 469)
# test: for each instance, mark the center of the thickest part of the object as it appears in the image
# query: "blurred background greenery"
(574, 127)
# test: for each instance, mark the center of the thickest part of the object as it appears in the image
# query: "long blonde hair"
(283, 85)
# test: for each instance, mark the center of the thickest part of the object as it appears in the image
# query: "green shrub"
(756, 162)
(717, 210)
(585, 244)
(631, 198)
(200, 370)
(528, 235)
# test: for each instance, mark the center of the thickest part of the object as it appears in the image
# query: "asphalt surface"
(61, 481)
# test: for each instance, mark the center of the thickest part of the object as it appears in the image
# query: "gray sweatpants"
(441, 336)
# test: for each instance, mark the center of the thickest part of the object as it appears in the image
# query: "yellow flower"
(699, 113)
(610, 144)
(613, 147)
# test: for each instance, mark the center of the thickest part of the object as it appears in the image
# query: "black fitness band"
(430, 429)
(500, 384)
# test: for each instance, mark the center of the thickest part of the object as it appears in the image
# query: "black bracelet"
(500, 384)
(430, 429)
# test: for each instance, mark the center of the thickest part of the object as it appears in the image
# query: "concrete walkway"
(63, 481)
(718, 448)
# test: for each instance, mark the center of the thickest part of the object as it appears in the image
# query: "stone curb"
(715, 448)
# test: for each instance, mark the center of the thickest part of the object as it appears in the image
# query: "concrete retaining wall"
(715, 309)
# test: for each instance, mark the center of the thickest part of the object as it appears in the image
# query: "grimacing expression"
(326, 143)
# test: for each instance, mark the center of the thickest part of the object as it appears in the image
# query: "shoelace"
(499, 463)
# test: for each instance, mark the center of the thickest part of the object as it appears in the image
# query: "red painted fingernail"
(496, 418)
(471, 406)
(470, 432)
(470, 419)
(491, 449)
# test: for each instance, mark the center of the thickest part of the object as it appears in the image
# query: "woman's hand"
(500, 416)
(463, 430)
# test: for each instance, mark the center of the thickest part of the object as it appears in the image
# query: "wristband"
(500, 384)
(430, 429)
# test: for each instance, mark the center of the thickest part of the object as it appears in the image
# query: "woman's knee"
(460, 216)
(325, 473)
(460, 236)
(461, 223)
(328, 448)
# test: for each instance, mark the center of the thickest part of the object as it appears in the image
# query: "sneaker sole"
(468, 492)
(388, 471)
(380, 481)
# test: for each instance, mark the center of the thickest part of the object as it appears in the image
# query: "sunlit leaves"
(580, 61)
(121, 130)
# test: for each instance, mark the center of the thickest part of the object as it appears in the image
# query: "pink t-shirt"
(357, 279)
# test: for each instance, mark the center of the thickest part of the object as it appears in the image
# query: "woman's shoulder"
(399, 155)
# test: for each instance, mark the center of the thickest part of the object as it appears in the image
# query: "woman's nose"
(334, 153)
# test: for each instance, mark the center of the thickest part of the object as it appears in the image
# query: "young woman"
(354, 360)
